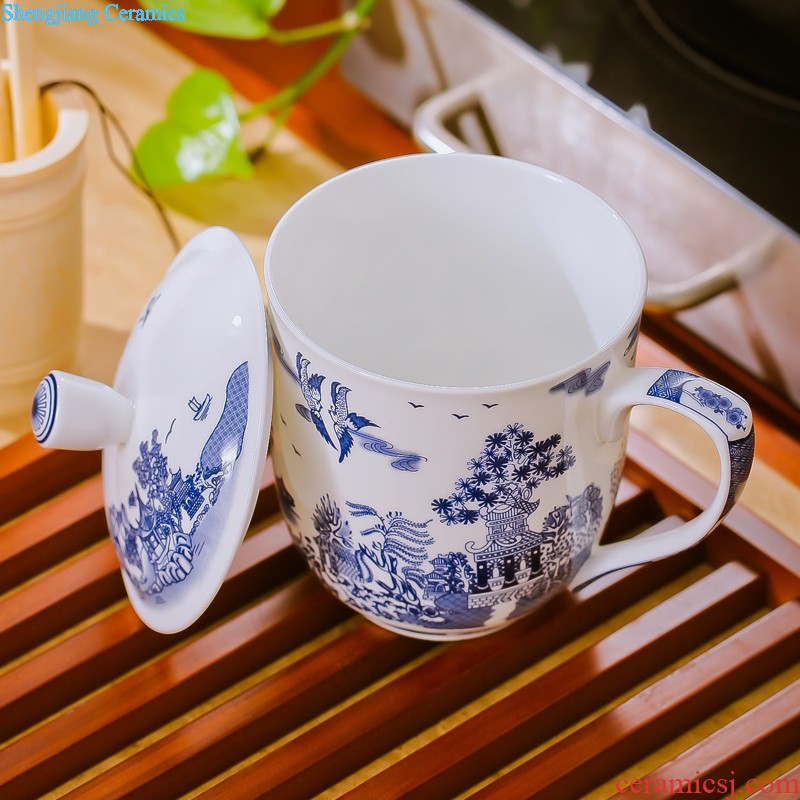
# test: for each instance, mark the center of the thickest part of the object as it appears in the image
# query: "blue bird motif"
(311, 387)
(345, 421)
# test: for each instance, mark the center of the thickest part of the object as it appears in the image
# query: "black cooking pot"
(753, 40)
(720, 80)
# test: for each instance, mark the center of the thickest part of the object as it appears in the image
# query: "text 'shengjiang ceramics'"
(450, 385)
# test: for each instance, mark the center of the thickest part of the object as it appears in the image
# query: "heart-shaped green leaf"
(200, 137)
(237, 19)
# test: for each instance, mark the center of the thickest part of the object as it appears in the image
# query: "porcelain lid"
(190, 411)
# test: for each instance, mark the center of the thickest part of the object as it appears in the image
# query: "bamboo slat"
(576, 687)
(744, 746)
(610, 743)
(279, 691)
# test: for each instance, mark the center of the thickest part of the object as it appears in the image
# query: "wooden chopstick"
(6, 136)
(26, 114)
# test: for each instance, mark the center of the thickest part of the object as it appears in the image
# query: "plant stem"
(277, 123)
(346, 22)
(285, 98)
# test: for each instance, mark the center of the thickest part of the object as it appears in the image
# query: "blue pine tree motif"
(377, 569)
(512, 464)
(399, 550)
(156, 550)
(335, 551)
(151, 471)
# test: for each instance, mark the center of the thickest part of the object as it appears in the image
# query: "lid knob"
(75, 413)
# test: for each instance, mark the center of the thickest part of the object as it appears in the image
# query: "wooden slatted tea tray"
(682, 669)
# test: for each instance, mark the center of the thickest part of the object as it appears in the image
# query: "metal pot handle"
(429, 127)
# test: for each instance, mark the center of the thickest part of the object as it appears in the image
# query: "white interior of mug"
(455, 270)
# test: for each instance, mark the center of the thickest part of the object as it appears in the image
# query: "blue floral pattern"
(720, 405)
(158, 533)
(377, 570)
(384, 563)
(675, 385)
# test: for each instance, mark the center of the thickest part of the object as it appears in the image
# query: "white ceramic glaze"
(453, 342)
(184, 432)
(455, 338)
(96, 416)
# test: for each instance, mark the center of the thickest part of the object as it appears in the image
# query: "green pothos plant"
(201, 135)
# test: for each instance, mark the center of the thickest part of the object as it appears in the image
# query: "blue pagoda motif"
(385, 563)
(451, 575)
(158, 534)
(511, 554)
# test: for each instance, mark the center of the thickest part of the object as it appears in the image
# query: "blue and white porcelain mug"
(454, 339)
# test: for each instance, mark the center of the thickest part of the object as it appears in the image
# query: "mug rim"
(275, 306)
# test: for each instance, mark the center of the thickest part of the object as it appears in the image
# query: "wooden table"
(680, 669)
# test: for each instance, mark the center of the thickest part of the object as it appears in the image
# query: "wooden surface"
(678, 669)
(686, 665)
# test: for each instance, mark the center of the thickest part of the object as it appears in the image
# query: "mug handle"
(721, 413)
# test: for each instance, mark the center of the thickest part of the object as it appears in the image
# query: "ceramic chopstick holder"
(41, 244)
